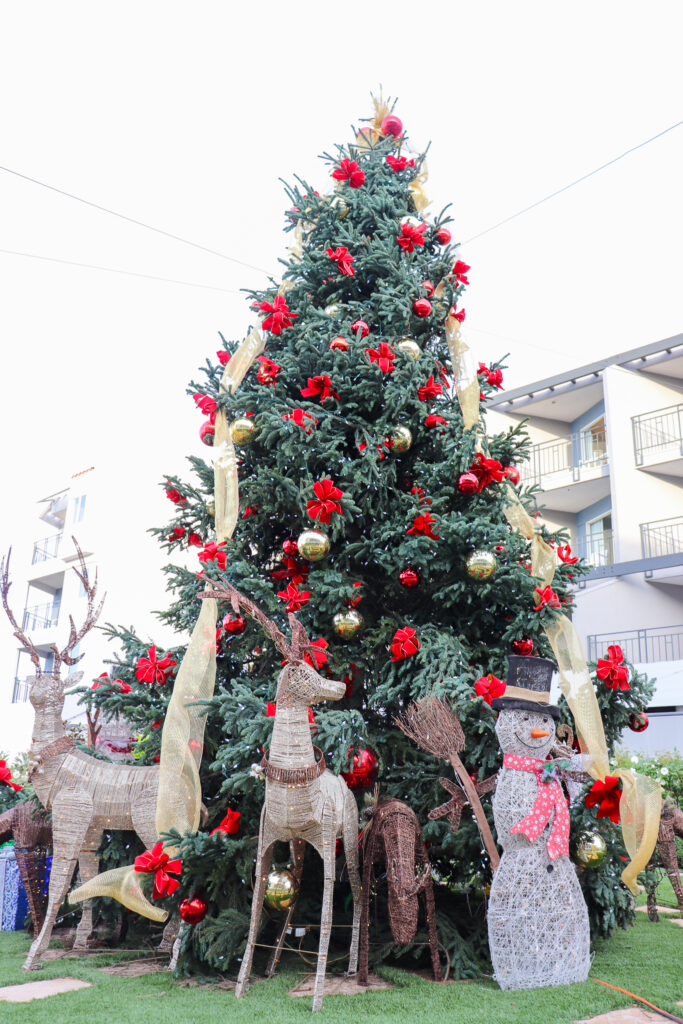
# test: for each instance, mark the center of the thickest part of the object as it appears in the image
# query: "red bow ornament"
(174, 495)
(156, 862)
(151, 670)
(318, 655)
(230, 824)
(435, 421)
(564, 554)
(294, 597)
(494, 378)
(458, 315)
(178, 532)
(411, 237)
(487, 471)
(612, 670)
(279, 315)
(326, 501)
(606, 795)
(349, 170)
(223, 357)
(213, 552)
(6, 777)
(384, 356)
(405, 644)
(423, 524)
(459, 271)
(549, 798)
(546, 597)
(429, 390)
(344, 260)
(489, 687)
(267, 371)
(399, 163)
(300, 417)
(321, 387)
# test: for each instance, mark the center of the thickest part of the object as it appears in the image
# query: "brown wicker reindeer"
(305, 802)
(670, 826)
(85, 795)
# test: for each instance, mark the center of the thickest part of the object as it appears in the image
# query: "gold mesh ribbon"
(179, 796)
(466, 380)
(417, 190)
(641, 797)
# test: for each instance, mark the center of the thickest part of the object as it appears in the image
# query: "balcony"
(20, 691)
(658, 440)
(597, 550)
(40, 616)
(46, 548)
(662, 537)
(572, 471)
(661, 643)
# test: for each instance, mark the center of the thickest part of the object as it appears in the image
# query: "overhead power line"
(565, 188)
(131, 220)
(117, 270)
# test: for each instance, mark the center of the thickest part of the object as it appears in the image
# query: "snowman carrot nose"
(537, 733)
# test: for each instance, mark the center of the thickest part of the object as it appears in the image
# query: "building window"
(79, 508)
(594, 443)
(599, 549)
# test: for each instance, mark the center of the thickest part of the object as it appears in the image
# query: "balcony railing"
(597, 549)
(658, 432)
(20, 691)
(662, 537)
(40, 616)
(46, 548)
(576, 454)
(661, 643)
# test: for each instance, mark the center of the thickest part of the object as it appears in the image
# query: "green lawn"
(645, 960)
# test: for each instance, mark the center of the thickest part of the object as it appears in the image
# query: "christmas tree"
(374, 510)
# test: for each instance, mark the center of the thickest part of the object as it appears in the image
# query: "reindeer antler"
(91, 616)
(292, 651)
(19, 634)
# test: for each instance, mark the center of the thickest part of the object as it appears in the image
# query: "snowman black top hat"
(528, 686)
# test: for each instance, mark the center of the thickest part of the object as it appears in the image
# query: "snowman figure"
(537, 918)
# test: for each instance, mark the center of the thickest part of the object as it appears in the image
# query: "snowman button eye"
(526, 718)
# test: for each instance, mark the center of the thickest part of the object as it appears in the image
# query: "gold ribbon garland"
(179, 796)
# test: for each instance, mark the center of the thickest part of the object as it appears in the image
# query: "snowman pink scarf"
(550, 797)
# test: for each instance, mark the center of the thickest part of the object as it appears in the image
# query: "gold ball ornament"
(281, 890)
(347, 624)
(332, 310)
(481, 564)
(243, 430)
(410, 348)
(211, 509)
(589, 850)
(313, 545)
(339, 204)
(401, 439)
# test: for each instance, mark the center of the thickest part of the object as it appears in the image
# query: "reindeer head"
(300, 685)
(46, 692)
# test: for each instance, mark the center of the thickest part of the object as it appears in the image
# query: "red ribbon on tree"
(429, 390)
(207, 405)
(423, 524)
(411, 237)
(564, 554)
(489, 687)
(230, 824)
(494, 378)
(550, 798)
(223, 357)
(152, 670)
(384, 356)
(326, 501)
(460, 269)
(320, 386)
(399, 163)
(213, 552)
(300, 417)
(546, 597)
(435, 421)
(349, 170)
(293, 569)
(606, 795)
(344, 260)
(487, 471)
(267, 371)
(459, 316)
(6, 777)
(156, 862)
(279, 315)
(612, 670)
(294, 597)
(317, 656)
(174, 495)
(405, 644)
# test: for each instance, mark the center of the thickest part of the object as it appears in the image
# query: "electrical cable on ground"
(669, 1016)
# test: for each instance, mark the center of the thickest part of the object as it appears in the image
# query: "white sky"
(185, 115)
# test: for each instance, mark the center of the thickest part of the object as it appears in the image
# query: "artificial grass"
(645, 960)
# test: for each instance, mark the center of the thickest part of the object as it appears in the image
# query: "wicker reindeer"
(670, 826)
(305, 802)
(84, 795)
(394, 838)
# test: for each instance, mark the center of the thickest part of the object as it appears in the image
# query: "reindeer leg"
(71, 814)
(297, 847)
(263, 861)
(31, 864)
(667, 852)
(351, 854)
(423, 857)
(328, 837)
(89, 865)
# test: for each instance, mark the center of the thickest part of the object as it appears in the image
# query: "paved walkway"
(31, 990)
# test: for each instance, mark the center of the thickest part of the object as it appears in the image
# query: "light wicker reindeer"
(305, 802)
(85, 795)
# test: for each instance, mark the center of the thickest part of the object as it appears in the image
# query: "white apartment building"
(607, 456)
(111, 532)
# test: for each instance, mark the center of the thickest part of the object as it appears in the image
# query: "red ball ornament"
(206, 433)
(290, 548)
(511, 473)
(523, 646)
(192, 911)
(409, 577)
(443, 236)
(339, 344)
(360, 325)
(365, 770)
(428, 287)
(233, 626)
(638, 721)
(468, 483)
(392, 125)
(422, 307)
